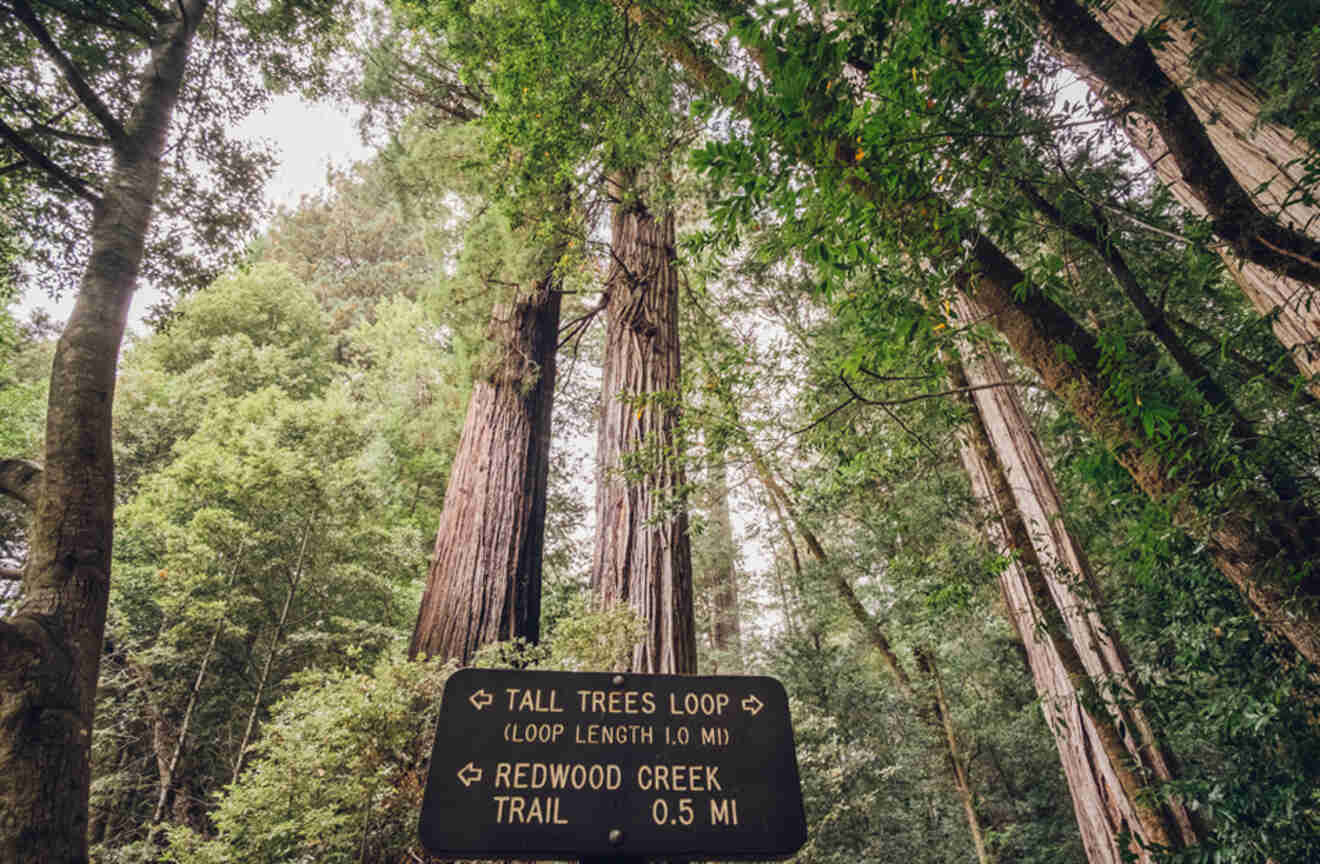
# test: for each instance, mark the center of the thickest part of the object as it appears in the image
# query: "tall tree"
(91, 92)
(1081, 670)
(1211, 143)
(642, 555)
(550, 107)
(1254, 540)
(485, 579)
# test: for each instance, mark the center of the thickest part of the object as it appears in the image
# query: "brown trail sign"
(585, 765)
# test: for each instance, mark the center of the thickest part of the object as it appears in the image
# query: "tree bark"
(1266, 551)
(1291, 307)
(50, 650)
(1132, 71)
(20, 479)
(1252, 541)
(642, 555)
(1008, 469)
(484, 583)
(1264, 158)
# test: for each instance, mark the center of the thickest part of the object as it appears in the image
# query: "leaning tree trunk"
(485, 579)
(1251, 541)
(1053, 600)
(1291, 307)
(50, 650)
(935, 714)
(1269, 554)
(1132, 72)
(1264, 158)
(642, 555)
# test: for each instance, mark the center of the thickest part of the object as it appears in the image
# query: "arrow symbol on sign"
(469, 774)
(752, 705)
(481, 699)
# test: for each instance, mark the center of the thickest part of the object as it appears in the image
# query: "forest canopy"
(954, 363)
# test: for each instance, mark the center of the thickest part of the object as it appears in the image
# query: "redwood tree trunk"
(642, 555)
(50, 650)
(1264, 158)
(1053, 601)
(1267, 551)
(1253, 541)
(485, 579)
(1132, 70)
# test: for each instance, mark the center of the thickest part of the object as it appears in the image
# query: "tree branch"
(8, 574)
(72, 75)
(1133, 72)
(19, 479)
(85, 15)
(72, 137)
(37, 159)
(920, 396)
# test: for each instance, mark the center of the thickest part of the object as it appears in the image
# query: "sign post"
(600, 766)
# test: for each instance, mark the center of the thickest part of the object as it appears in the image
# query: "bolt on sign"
(584, 765)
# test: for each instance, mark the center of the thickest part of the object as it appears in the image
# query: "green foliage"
(243, 51)
(24, 367)
(563, 85)
(281, 481)
(338, 776)
(1234, 705)
(1273, 45)
(25, 354)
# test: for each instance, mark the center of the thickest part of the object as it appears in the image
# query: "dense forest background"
(954, 363)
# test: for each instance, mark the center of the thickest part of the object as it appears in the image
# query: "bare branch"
(19, 479)
(9, 574)
(828, 414)
(857, 397)
(72, 75)
(579, 324)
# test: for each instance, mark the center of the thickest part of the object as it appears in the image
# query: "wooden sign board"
(577, 765)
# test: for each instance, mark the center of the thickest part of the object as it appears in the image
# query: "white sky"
(309, 139)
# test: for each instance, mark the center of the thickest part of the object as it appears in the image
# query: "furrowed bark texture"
(50, 650)
(1065, 604)
(1133, 73)
(1100, 816)
(1259, 559)
(1269, 555)
(485, 579)
(1257, 154)
(1292, 307)
(642, 555)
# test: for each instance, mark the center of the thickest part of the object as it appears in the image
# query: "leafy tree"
(283, 479)
(555, 112)
(339, 774)
(90, 96)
